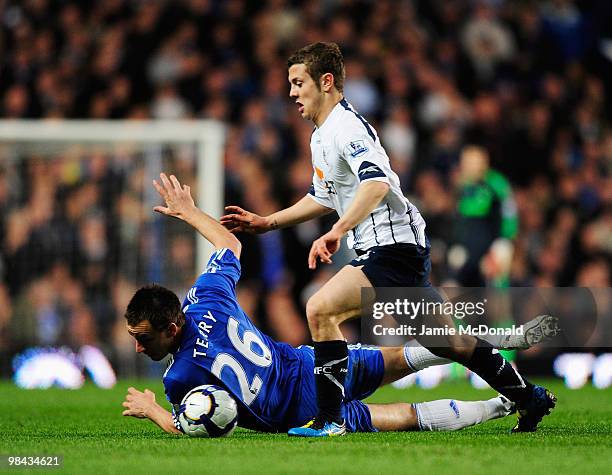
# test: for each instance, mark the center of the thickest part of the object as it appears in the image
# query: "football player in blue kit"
(212, 341)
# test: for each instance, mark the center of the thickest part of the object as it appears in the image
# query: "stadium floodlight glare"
(208, 136)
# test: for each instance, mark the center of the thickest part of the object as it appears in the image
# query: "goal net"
(79, 234)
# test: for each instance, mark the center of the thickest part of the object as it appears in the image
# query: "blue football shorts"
(365, 373)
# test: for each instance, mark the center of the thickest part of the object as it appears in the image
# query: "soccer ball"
(208, 411)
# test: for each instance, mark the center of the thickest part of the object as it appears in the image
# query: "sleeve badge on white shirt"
(357, 148)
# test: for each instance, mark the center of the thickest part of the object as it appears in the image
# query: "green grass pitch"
(87, 429)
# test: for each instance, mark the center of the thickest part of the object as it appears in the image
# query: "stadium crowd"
(529, 81)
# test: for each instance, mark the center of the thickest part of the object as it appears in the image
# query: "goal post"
(208, 136)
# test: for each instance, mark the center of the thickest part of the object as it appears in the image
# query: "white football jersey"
(346, 152)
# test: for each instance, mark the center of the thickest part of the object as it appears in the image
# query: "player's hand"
(239, 220)
(324, 247)
(177, 197)
(137, 403)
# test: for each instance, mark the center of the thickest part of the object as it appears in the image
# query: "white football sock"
(450, 414)
(419, 357)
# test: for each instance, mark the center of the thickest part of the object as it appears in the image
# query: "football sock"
(418, 357)
(487, 363)
(450, 414)
(497, 341)
(331, 368)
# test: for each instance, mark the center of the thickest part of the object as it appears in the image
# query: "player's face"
(473, 164)
(155, 344)
(304, 91)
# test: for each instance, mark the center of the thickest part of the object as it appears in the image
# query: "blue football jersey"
(220, 345)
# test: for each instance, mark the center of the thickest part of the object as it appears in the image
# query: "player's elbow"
(234, 245)
(377, 189)
(383, 188)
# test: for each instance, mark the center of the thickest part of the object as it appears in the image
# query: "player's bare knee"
(322, 308)
(315, 309)
(317, 313)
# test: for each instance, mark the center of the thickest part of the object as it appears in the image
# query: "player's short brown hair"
(158, 305)
(321, 58)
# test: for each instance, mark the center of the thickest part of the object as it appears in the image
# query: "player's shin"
(450, 414)
(331, 368)
(487, 363)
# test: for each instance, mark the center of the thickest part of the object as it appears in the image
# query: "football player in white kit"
(353, 177)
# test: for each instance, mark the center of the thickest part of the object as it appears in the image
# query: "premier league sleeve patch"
(356, 148)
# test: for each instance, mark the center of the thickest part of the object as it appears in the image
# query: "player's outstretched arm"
(142, 405)
(180, 204)
(239, 220)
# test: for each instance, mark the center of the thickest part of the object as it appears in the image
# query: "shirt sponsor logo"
(372, 169)
(369, 170)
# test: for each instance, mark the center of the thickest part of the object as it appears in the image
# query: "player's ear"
(327, 82)
(172, 330)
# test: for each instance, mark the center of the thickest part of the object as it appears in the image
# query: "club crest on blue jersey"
(357, 148)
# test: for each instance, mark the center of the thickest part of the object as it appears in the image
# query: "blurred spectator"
(487, 42)
(399, 138)
(167, 104)
(359, 89)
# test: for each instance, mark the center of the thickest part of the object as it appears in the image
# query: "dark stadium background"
(530, 81)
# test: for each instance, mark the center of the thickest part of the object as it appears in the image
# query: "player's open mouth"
(300, 107)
